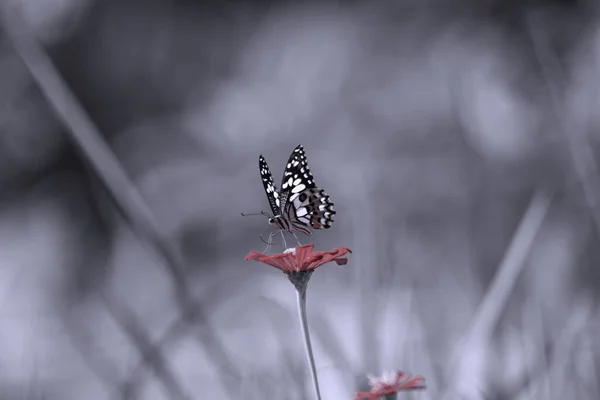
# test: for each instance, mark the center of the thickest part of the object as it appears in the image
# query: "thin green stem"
(301, 296)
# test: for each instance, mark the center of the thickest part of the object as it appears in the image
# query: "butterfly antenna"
(264, 214)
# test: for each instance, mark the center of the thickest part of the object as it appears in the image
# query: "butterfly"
(300, 204)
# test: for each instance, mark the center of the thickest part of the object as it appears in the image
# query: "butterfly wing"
(313, 207)
(296, 176)
(301, 201)
(269, 185)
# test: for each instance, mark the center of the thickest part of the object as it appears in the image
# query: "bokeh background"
(457, 139)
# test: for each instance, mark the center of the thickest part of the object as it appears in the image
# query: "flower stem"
(301, 296)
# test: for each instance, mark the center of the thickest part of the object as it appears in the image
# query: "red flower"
(301, 258)
(390, 383)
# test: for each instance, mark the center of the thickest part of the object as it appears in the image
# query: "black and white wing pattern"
(269, 185)
(296, 176)
(301, 200)
(312, 207)
(300, 203)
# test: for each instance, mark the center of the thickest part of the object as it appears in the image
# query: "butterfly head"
(276, 220)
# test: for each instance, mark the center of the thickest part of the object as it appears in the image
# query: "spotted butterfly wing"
(296, 176)
(269, 185)
(302, 202)
(313, 207)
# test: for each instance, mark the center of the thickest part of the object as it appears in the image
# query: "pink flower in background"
(391, 383)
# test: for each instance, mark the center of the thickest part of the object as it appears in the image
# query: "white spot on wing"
(301, 212)
(298, 188)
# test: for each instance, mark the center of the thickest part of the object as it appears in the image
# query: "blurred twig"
(92, 355)
(579, 149)
(564, 347)
(103, 161)
(487, 315)
(511, 265)
(131, 385)
(129, 323)
(551, 371)
(174, 333)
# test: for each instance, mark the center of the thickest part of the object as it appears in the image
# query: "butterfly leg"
(283, 237)
(293, 233)
(271, 235)
(269, 242)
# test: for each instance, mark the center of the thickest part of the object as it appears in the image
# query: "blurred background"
(457, 139)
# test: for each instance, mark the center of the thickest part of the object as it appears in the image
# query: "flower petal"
(319, 258)
(278, 262)
(301, 259)
(341, 261)
(395, 381)
(254, 255)
(302, 252)
(397, 377)
(287, 260)
(365, 395)
(417, 382)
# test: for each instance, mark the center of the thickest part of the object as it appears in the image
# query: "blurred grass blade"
(511, 265)
(331, 344)
(92, 354)
(565, 346)
(99, 155)
(487, 315)
(581, 152)
(81, 129)
(129, 323)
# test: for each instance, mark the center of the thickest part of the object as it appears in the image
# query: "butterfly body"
(300, 204)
